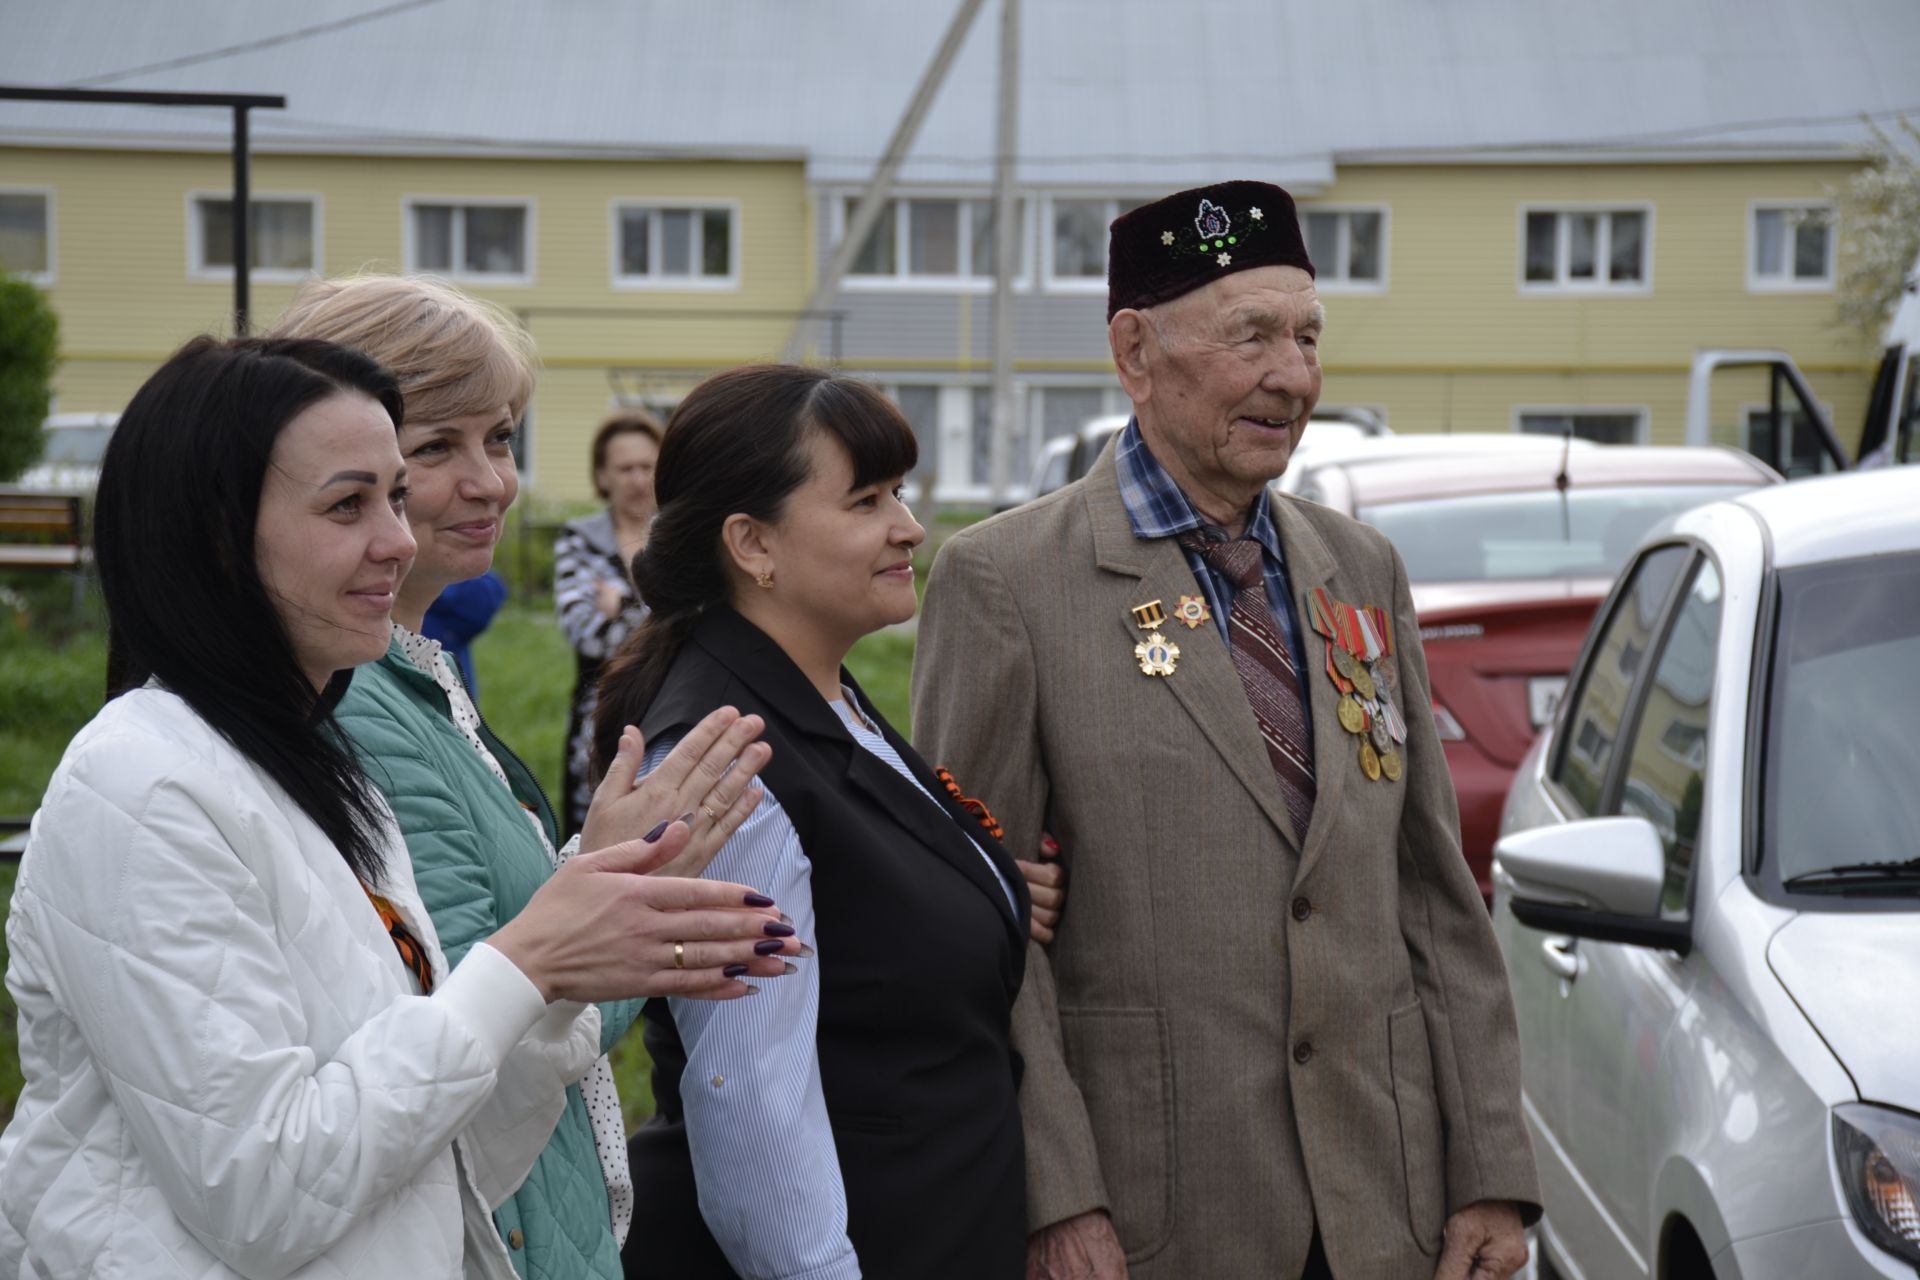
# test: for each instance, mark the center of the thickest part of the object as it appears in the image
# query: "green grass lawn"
(52, 675)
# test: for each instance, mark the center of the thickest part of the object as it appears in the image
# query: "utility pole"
(1006, 248)
(874, 198)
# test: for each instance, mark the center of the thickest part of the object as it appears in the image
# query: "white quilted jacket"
(227, 1070)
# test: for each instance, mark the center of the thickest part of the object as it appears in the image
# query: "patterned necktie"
(1266, 670)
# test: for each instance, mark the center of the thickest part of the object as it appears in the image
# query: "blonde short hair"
(454, 355)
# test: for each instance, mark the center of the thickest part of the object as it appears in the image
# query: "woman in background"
(592, 591)
(244, 1051)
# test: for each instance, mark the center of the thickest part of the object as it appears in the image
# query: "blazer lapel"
(1204, 683)
(1310, 564)
(764, 666)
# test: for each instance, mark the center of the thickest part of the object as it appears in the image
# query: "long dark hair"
(173, 536)
(736, 445)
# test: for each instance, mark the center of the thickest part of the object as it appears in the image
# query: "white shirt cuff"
(496, 1001)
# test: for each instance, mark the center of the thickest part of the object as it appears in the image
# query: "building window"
(938, 241)
(1602, 426)
(1793, 247)
(1348, 246)
(1581, 249)
(489, 241)
(676, 246)
(283, 238)
(1077, 239)
(26, 234)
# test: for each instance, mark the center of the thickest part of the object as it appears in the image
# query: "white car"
(1707, 892)
(70, 460)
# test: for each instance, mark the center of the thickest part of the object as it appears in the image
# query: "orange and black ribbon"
(978, 808)
(412, 954)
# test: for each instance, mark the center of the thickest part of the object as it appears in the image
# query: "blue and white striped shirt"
(1156, 508)
(764, 1159)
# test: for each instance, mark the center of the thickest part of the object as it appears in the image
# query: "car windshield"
(1843, 711)
(70, 446)
(1506, 536)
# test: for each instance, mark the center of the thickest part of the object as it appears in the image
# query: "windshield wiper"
(1856, 875)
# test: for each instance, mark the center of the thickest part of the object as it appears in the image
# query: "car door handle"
(1558, 955)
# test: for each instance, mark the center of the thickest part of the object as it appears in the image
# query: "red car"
(1507, 567)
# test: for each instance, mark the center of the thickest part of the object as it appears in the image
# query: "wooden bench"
(43, 531)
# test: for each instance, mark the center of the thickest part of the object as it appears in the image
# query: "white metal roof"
(1114, 93)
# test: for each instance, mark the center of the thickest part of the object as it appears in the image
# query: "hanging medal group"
(1357, 638)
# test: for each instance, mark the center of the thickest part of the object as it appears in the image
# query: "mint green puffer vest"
(477, 861)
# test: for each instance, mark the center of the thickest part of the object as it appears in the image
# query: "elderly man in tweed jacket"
(1273, 1036)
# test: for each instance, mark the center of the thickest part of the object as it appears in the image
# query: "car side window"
(1667, 769)
(1593, 730)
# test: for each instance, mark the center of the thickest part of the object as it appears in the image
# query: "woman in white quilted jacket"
(244, 1054)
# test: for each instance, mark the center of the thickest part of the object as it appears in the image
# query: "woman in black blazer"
(860, 1118)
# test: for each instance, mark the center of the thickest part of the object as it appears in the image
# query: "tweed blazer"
(1239, 1028)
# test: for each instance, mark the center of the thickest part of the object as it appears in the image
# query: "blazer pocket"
(1421, 1154)
(1122, 1059)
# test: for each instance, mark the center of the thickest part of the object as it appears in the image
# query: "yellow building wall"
(126, 299)
(1454, 344)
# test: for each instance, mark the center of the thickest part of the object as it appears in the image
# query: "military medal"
(1381, 739)
(1389, 765)
(1369, 761)
(1193, 611)
(1157, 655)
(1353, 718)
(1363, 681)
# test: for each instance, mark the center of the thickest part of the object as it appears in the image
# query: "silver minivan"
(1707, 892)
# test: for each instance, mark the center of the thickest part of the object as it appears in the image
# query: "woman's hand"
(705, 781)
(608, 598)
(1047, 886)
(602, 929)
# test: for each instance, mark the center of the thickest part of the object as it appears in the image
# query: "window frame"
(1560, 286)
(616, 279)
(1790, 283)
(1580, 674)
(901, 281)
(1323, 283)
(1642, 415)
(197, 266)
(1075, 284)
(52, 274)
(409, 249)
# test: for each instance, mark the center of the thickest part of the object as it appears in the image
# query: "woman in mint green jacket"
(479, 830)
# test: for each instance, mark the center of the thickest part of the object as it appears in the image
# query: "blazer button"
(1302, 908)
(1303, 1053)
(515, 1239)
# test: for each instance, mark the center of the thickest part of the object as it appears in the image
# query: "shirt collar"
(1156, 508)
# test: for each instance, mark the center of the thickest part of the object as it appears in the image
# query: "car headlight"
(1879, 1153)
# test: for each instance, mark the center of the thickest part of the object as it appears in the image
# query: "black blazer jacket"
(921, 961)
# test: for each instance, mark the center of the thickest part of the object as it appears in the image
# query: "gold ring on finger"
(679, 955)
(711, 815)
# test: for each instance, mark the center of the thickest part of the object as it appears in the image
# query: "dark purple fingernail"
(734, 971)
(759, 900)
(775, 929)
(769, 946)
(657, 832)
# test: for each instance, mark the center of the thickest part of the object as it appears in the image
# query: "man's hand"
(1046, 887)
(1082, 1248)
(1484, 1241)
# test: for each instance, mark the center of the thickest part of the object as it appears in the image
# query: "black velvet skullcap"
(1175, 245)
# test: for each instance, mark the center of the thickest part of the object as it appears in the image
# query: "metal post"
(1006, 246)
(242, 222)
(874, 198)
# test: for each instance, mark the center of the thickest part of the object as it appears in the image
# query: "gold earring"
(765, 579)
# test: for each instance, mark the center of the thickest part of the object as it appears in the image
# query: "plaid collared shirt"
(1157, 509)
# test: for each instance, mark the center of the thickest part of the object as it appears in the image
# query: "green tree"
(29, 350)
(1879, 211)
